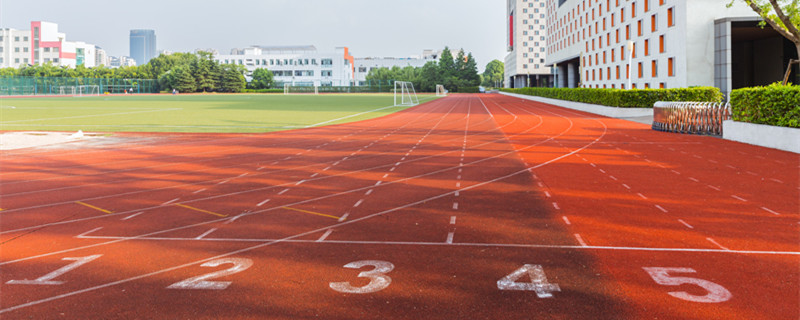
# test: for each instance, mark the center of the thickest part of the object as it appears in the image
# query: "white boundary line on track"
(358, 114)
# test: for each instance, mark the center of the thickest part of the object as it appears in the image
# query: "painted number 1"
(716, 293)
(48, 278)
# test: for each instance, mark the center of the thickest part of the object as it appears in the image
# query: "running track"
(468, 207)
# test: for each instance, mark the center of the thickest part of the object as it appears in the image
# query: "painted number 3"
(716, 293)
(378, 280)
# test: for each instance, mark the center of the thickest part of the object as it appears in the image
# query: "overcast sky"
(396, 28)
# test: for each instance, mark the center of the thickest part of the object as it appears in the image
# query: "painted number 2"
(538, 282)
(378, 280)
(716, 293)
(200, 282)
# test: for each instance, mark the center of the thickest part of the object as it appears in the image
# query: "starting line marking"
(93, 207)
(201, 210)
(459, 244)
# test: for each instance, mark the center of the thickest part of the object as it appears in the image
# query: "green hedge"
(775, 105)
(263, 90)
(469, 90)
(635, 98)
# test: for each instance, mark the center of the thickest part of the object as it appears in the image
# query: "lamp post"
(630, 62)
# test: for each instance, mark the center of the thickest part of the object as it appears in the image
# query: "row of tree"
(454, 73)
(185, 72)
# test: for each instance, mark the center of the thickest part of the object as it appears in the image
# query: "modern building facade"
(297, 65)
(43, 44)
(143, 45)
(526, 44)
(656, 44)
(364, 65)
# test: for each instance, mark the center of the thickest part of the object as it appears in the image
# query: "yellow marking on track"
(93, 207)
(312, 212)
(201, 210)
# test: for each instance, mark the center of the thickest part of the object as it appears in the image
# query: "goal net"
(440, 91)
(66, 90)
(404, 94)
(290, 89)
(88, 90)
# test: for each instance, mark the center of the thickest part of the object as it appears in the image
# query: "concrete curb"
(613, 112)
(782, 138)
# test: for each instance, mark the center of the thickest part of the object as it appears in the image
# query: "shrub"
(775, 105)
(469, 90)
(263, 90)
(635, 98)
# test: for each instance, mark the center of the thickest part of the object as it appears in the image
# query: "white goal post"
(405, 94)
(88, 90)
(289, 89)
(66, 90)
(440, 91)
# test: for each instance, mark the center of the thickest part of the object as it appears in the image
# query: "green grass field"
(192, 113)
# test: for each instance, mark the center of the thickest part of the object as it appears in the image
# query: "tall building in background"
(527, 42)
(143, 46)
(662, 44)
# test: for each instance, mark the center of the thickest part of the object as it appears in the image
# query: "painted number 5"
(716, 293)
(378, 280)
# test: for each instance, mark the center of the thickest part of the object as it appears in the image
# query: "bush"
(775, 105)
(635, 98)
(469, 90)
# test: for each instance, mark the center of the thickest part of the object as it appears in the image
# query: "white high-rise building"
(296, 65)
(661, 44)
(527, 41)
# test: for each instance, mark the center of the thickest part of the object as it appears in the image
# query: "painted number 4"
(716, 293)
(538, 282)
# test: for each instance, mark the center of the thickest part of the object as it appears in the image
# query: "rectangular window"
(639, 27)
(16, 49)
(646, 5)
(641, 70)
(662, 85)
(628, 32)
(661, 44)
(55, 49)
(670, 17)
(653, 24)
(646, 47)
(671, 67)
(633, 9)
(617, 72)
(655, 68)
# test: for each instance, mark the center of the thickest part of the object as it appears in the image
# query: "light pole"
(630, 62)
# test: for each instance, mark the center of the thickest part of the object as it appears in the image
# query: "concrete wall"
(787, 139)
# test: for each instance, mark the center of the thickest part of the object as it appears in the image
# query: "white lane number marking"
(201, 283)
(48, 278)
(378, 278)
(538, 282)
(716, 293)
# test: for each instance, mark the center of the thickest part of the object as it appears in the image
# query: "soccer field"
(192, 113)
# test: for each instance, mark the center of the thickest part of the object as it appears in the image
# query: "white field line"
(91, 115)
(357, 114)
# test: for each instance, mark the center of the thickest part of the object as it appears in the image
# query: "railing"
(691, 117)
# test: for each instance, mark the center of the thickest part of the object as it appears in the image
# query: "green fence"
(369, 86)
(33, 86)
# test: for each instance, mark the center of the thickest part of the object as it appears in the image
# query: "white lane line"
(641, 195)
(458, 184)
(730, 166)
(243, 174)
(284, 191)
(378, 183)
(455, 205)
(231, 220)
(675, 172)
(613, 178)
(344, 217)
(453, 220)
(661, 208)
(392, 169)
(385, 176)
(459, 177)
(776, 180)
(131, 216)
(326, 169)
(693, 179)
(206, 233)
(260, 168)
(752, 173)
(263, 202)
(325, 235)
(223, 182)
(603, 171)
(770, 211)
(738, 198)
(593, 165)
(336, 163)
(547, 194)
(198, 191)
(171, 201)
(626, 186)
(685, 224)
(314, 175)
(358, 203)
(88, 232)
(713, 187)
(368, 192)
(580, 240)
(555, 205)
(450, 237)
(299, 182)
(717, 244)
(540, 184)
(566, 220)
(460, 170)
(457, 193)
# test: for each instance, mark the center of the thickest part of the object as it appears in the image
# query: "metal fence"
(691, 117)
(33, 86)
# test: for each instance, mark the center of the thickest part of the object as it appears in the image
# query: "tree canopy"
(453, 73)
(494, 73)
(781, 15)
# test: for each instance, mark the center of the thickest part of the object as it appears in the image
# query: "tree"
(183, 80)
(781, 15)
(447, 66)
(494, 74)
(262, 79)
(232, 79)
(204, 71)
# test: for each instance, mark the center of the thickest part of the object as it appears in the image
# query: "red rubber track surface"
(427, 213)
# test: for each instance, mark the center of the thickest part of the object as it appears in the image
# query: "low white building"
(297, 65)
(365, 65)
(42, 44)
